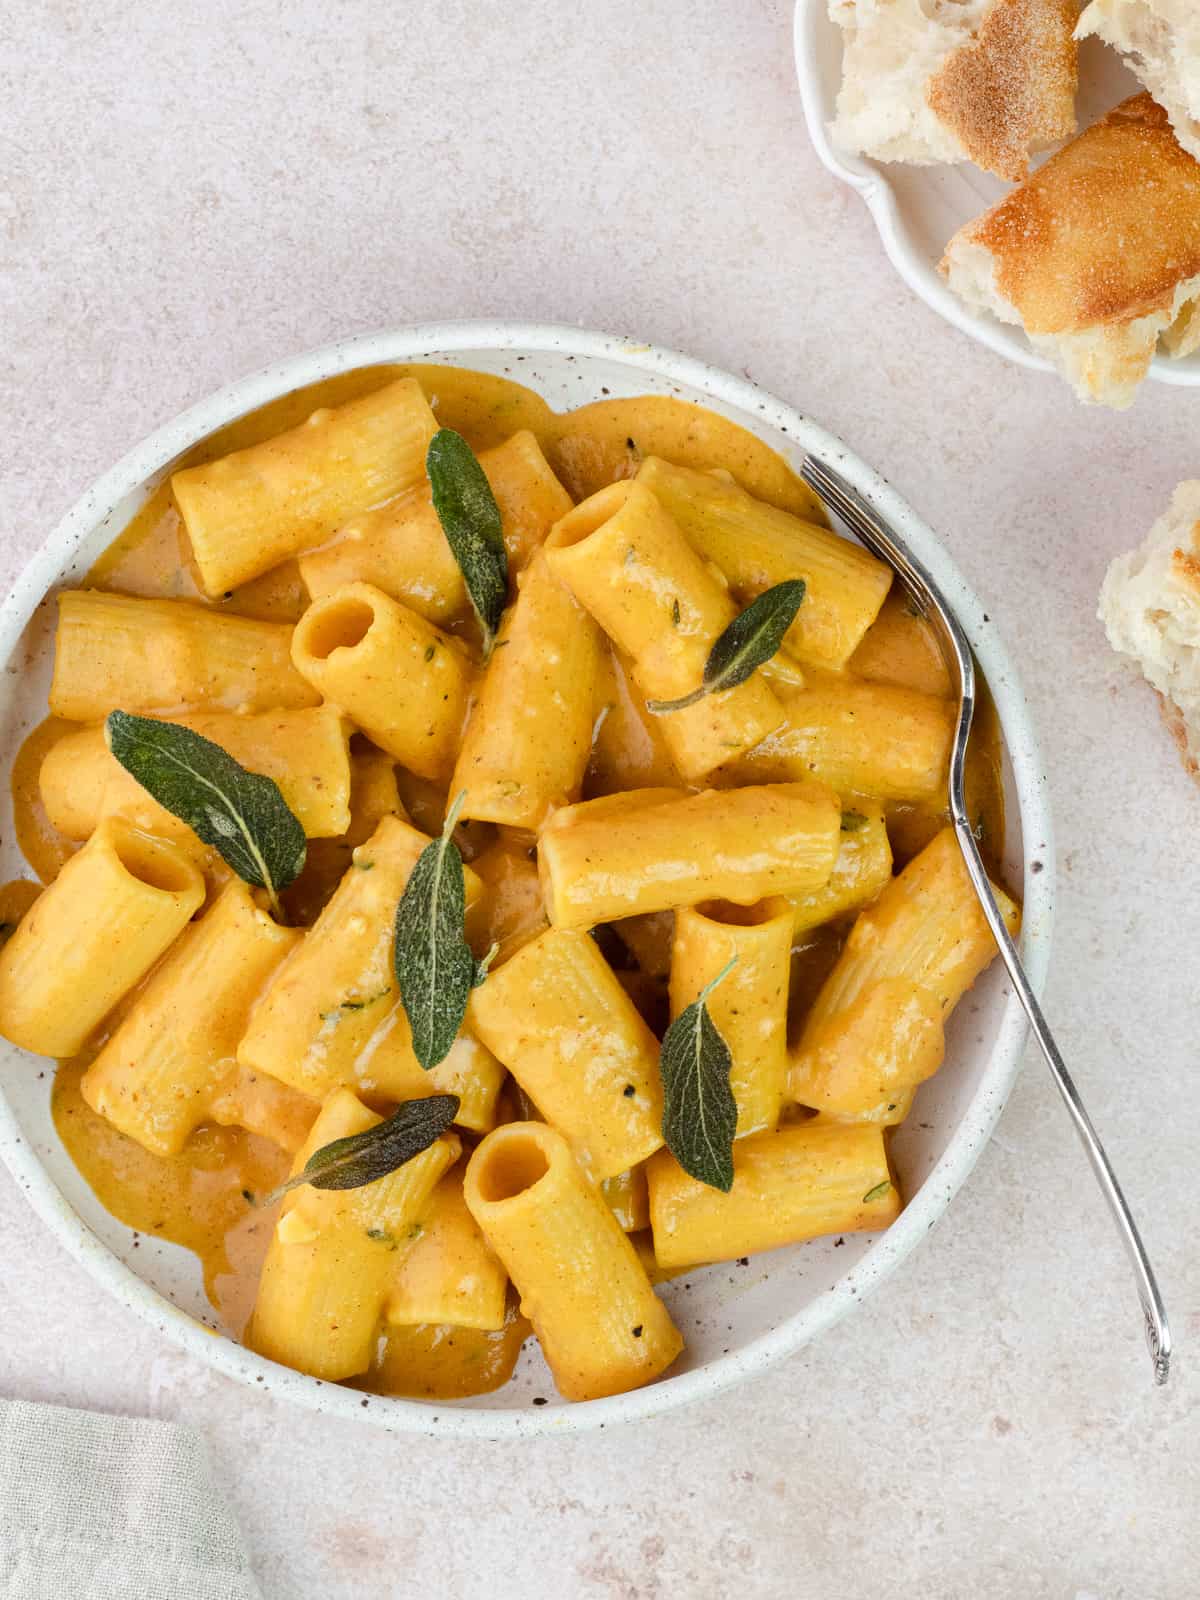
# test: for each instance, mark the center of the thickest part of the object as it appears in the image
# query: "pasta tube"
(401, 549)
(627, 562)
(303, 751)
(735, 844)
(449, 1274)
(247, 512)
(263, 1105)
(628, 747)
(92, 936)
(860, 738)
(330, 1016)
(373, 796)
(400, 679)
(158, 1074)
(863, 869)
(167, 656)
(559, 1020)
(756, 546)
(798, 1183)
(876, 1028)
(602, 1328)
(527, 742)
(326, 1278)
(511, 911)
(749, 1007)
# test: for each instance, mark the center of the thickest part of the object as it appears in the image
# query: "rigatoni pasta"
(627, 562)
(672, 849)
(876, 1028)
(401, 549)
(247, 512)
(598, 987)
(113, 910)
(749, 1008)
(861, 871)
(304, 751)
(356, 645)
(167, 656)
(601, 1326)
(529, 733)
(159, 1074)
(860, 738)
(449, 1275)
(559, 1020)
(329, 1017)
(756, 545)
(325, 1282)
(797, 1183)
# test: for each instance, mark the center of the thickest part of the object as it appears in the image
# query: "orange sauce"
(428, 1361)
(204, 1199)
(45, 849)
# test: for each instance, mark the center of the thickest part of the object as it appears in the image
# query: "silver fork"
(882, 540)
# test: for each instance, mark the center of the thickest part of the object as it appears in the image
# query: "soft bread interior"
(1105, 365)
(1161, 40)
(1150, 607)
(954, 80)
(891, 49)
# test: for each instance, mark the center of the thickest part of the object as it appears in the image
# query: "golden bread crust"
(1102, 234)
(1011, 89)
(1177, 727)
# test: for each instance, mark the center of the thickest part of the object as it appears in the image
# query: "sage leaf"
(749, 641)
(435, 968)
(242, 814)
(699, 1111)
(363, 1158)
(877, 1193)
(470, 519)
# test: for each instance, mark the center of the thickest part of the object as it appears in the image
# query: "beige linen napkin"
(108, 1508)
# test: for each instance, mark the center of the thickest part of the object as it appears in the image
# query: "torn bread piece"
(1160, 40)
(1096, 256)
(1150, 607)
(929, 81)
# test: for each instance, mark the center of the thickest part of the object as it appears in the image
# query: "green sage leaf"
(699, 1111)
(363, 1158)
(470, 519)
(749, 641)
(435, 969)
(242, 814)
(877, 1193)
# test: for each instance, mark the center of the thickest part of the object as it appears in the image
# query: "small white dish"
(918, 209)
(737, 1321)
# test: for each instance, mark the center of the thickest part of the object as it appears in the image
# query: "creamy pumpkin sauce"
(204, 1199)
(432, 1362)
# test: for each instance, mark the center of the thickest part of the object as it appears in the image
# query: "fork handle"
(1158, 1333)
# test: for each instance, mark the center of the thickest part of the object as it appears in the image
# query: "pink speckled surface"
(188, 192)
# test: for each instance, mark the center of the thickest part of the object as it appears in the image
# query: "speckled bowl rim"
(973, 1131)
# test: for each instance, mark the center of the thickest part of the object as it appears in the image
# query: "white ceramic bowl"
(737, 1321)
(917, 209)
